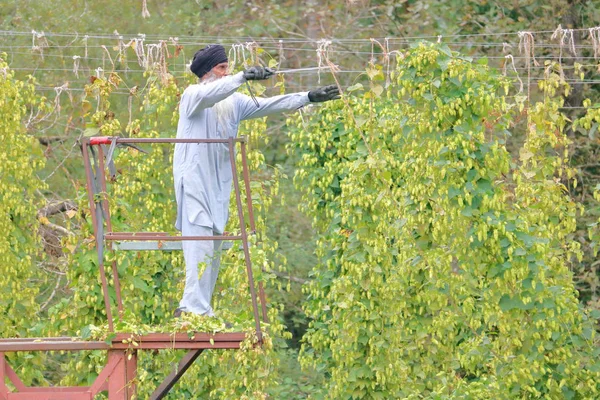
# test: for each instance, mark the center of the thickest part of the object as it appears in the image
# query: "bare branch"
(58, 228)
(56, 208)
(46, 141)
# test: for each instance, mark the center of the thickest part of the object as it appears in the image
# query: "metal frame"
(119, 375)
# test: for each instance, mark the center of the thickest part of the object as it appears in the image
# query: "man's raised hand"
(258, 73)
(326, 93)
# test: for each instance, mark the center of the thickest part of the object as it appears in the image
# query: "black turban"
(207, 58)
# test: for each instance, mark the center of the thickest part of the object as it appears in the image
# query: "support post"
(177, 373)
(246, 175)
(117, 380)
(102, 177)
(244, 234)
(131, 374)
(3, 387)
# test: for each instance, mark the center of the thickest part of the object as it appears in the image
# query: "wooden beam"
(3, 387)
(100, 382)
(12, 376)
(177, 373)
(131, 374)
(50, 396)
(117, 380)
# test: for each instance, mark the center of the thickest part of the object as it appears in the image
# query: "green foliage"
(20, 160)
(444, 263)
(18, 167)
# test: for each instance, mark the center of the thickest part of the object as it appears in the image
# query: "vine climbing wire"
(301, 62)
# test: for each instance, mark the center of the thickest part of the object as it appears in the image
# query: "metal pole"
(238, 199)
(246, 176)
(102, 175)
(99, 232)
(246, 173)
(89, 182)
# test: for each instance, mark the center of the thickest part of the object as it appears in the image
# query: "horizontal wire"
(538, 45)
(134, 61)
(262, 38)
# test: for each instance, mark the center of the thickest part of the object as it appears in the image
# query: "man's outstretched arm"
(206, 95)
(286, 102)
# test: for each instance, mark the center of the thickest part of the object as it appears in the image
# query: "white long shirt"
(202, 171)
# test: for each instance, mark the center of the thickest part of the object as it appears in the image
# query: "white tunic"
(202, 171)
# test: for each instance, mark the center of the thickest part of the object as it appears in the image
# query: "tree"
(444, 263)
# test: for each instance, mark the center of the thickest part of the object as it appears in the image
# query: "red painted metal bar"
(56, 389)
(14, 378)
(131, 373)
(150, 237)
(98, 229)
(101, 382)
(89, 181)
(117, 383)
(3, 387)
(183, 337)
(46, 339)
(186, 362)
(238, 199)
(51, 396)
(102, 174)
(105, 291)
(102, 177)
(78, 346)
(246, 174)
(227, 340)
(108, 140)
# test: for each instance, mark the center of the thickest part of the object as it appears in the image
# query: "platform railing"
(94, 155)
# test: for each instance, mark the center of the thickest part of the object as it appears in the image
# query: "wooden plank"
(12, 376)
(117, 381)
(131, 374)
(3, 387)
(54, 345)
(100, 382)
(46, 339)
(229, 340)
(56, 389)
(187, 360)
(50, 396)
(183, 337)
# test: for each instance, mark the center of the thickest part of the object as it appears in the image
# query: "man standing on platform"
(212, 109)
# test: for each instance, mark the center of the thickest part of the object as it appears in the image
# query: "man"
(202, 171)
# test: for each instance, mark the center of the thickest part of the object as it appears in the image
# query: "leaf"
(508, 303)
(110, 338)
(377, 90)
(593, 130)
(446, 50)
(355, 87)
(86, 332)
(91, 132)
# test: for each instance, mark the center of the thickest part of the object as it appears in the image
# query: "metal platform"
(118, 377)
(151, 341)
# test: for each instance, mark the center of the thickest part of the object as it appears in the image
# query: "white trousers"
(200, 255)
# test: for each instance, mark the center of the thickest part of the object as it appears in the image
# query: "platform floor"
(151, 341)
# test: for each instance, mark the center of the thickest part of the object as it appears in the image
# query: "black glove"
(325, 93)
(258, 73)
